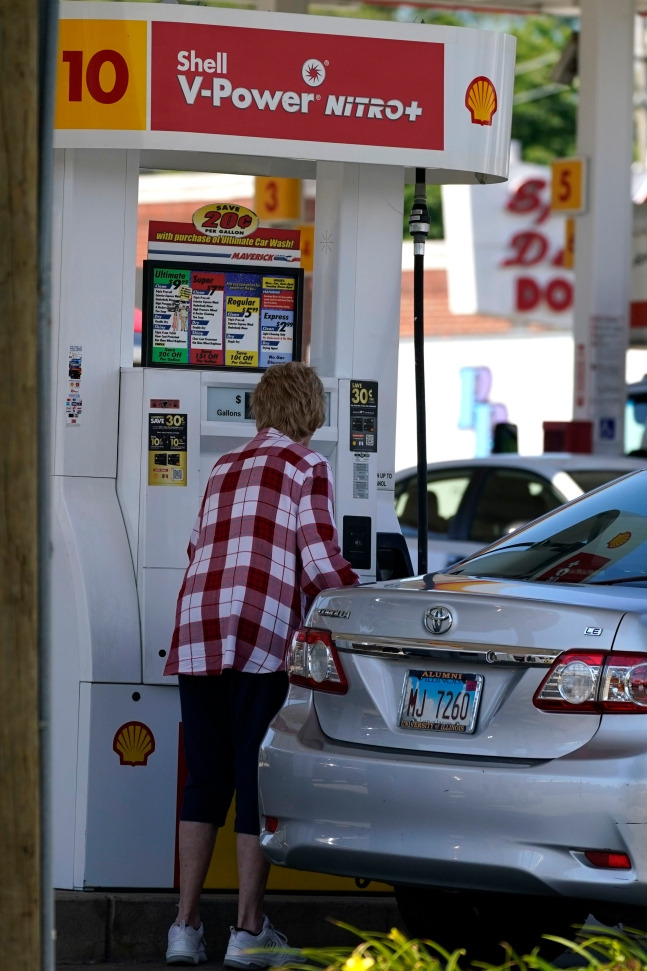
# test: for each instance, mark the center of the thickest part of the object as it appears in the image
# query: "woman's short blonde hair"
(289, 397)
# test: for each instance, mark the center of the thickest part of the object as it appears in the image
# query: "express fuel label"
(296, 85)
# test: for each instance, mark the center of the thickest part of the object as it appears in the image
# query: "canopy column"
(603, 232)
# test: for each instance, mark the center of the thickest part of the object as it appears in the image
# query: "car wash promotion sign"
(285, 86)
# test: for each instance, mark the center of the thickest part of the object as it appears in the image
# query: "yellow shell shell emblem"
(481, 100)
(133, 743)
(619, 540)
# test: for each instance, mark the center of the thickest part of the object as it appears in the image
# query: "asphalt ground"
(128, 930)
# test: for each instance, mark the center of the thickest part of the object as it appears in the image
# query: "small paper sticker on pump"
(74, 402)
(360, 476)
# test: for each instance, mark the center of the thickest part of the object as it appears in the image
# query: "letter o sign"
(559, 294)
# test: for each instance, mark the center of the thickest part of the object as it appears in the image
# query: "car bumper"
(481, 825)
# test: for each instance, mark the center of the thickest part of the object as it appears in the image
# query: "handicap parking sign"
(608, 428)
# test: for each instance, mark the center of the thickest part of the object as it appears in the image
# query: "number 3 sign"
(101, 80)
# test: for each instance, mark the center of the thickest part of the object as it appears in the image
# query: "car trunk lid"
(452, 672)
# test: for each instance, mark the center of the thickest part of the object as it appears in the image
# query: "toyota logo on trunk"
(438, 620)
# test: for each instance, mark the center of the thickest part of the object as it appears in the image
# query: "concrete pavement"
(125, 930)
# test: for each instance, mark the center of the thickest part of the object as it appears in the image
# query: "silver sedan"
(478, 738)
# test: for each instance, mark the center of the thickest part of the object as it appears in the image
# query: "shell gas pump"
(170, 87)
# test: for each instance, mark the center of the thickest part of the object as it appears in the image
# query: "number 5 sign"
(568, 186)
(101, 74)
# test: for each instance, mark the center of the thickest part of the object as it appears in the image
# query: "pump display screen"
(215, 315)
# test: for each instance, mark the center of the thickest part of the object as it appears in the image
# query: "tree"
(544, 113)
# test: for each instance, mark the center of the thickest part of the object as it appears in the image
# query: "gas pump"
(176, 87)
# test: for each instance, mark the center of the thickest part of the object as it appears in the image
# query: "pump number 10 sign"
(101, 80)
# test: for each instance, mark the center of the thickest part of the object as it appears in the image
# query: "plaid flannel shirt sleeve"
(322, 563)
(197, 526)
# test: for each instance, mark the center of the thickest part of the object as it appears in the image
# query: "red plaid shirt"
(263, 543)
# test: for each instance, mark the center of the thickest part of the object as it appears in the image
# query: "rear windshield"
(588, 479)
(599, 538)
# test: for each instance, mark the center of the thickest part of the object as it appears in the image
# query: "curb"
(94, 927)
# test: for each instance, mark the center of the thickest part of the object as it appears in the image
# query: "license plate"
(440, 701)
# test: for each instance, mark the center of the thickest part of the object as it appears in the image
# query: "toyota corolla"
(478, 738)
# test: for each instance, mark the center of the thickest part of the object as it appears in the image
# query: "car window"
(636, 423)
(445, 491)
(508, 499)
(599, 538)
(588, 479)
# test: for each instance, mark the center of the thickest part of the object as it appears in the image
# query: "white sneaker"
(269, 949)
(185, 944)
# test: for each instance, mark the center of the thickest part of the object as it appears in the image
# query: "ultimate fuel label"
(167, 449)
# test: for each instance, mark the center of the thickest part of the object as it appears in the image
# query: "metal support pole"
(419, 229)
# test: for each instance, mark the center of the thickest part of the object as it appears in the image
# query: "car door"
(505, 499)
(446, 491)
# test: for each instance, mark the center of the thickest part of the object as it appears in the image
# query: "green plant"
(599, 949)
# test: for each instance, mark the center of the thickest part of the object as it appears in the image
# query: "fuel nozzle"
(419, 215)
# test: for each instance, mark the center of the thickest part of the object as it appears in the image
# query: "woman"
(264, 544)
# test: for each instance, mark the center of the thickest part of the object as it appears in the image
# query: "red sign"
(575, 568)
(172, 232)
(533, 248)
(301, 86)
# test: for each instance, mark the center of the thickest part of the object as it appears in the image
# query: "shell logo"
(133, 743)
(619, 540)
(481, 100)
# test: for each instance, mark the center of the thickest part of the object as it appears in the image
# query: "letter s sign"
(101, 75)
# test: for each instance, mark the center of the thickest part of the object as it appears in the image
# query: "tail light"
(608, 860)
(596, 682)
(313, 662)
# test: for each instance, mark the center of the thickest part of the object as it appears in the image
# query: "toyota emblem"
(438, 620)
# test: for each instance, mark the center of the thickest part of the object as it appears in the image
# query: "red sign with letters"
(296, 85)
(575, 568)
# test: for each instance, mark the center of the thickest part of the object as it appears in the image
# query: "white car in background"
(473, 502)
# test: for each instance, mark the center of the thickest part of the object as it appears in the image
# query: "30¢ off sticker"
(101, 74)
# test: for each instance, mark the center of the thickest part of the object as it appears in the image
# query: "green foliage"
(596, 949)
(544, 114)
(359, 12)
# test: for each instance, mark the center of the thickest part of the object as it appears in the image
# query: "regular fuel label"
(242, 320)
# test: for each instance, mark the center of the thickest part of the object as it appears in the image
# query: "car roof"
(546, 464)
(638, 387)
